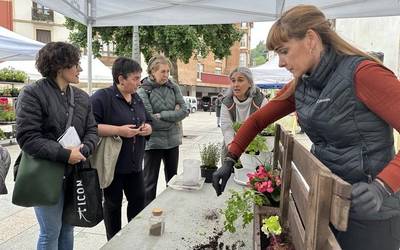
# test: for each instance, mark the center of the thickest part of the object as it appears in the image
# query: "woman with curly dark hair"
(42, 115)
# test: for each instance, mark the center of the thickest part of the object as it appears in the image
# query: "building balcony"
(42, 14)
(214, 80)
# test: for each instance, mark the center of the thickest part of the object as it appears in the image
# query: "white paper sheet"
(70, 138)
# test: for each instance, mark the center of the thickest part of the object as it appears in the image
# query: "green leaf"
(271, 225)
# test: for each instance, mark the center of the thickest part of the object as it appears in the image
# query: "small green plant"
(11, 75)
(271, 226)
(7, 116)
(269, 130)
(279, 239)
(210, 154)
(257, 145)
(240, 204)
(2, 135)
(7, 92)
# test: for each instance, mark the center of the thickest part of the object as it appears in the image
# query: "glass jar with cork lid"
(157, 222)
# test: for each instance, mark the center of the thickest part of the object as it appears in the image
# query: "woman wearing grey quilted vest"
(242, 99)
(348, 104)
(163, 100)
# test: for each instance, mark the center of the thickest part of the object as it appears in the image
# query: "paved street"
(18, 226)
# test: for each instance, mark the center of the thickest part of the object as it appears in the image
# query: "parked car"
(206, 103)
(191, 103)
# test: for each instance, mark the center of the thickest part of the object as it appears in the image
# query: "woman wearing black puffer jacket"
(42, 114)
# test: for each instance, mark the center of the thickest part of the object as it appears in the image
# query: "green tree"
(175, 42)
(258, 55)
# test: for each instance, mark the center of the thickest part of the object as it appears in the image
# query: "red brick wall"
(6, 14)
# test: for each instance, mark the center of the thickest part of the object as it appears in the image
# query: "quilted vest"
(258, 98)
(351, 140)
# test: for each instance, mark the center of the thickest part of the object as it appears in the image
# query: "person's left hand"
(367, 198)
(145, 129)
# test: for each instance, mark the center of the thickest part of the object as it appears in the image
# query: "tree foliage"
(258, 54)
(175, 42)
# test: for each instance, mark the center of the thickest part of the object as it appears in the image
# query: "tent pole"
(89, 45)
(135, 44)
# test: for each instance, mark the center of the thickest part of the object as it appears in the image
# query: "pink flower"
(278, 181)
(261, 173)
(270, 189)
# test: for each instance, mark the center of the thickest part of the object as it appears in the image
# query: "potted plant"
(209, 154)
(11, 75)
(255, 154)
(269, 130)
(263, 189)
(277, 237)
(259, 199)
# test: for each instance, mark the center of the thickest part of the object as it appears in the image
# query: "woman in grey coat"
(163, 100)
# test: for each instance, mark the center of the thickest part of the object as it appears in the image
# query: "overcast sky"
(259, 32)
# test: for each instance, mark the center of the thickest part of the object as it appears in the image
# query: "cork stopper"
(157, 211)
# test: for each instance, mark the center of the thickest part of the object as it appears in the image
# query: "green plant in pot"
(255, 154)
(257, 145)
(269, 131)
(209, 154)
(259, 199)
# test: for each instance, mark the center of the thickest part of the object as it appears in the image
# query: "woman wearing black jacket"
(42, 114)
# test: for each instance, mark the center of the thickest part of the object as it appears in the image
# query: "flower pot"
(260, 240)
(250, 163)
(207, 173)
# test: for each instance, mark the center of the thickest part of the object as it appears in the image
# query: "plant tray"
(177, 183)
(7, 122)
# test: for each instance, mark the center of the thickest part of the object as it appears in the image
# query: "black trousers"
(152, 161)
(133, 186)
(370, 235)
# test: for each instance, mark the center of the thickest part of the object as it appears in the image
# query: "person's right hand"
(76, 156)
(221, 176)
(128, 131)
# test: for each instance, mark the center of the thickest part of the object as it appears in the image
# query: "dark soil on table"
(214, 244)
(211, 214)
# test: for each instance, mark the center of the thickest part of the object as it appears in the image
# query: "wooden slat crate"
(312, 197)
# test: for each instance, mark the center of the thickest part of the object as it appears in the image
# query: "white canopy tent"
(180, 12)
(101, 73)
(270, 73)
(16, 47)
(168, 12)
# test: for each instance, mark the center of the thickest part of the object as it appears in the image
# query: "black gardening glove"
(221, 176)
(367, 198)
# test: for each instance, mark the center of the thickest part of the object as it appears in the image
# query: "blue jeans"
(54, 234)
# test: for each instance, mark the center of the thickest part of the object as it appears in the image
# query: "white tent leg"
(135, 44)
(89, 45)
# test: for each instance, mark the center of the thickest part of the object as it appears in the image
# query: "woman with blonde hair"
(164, 102)
(347, 103)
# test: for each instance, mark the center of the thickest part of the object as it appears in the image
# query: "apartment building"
(207, 76)
(32, 20)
